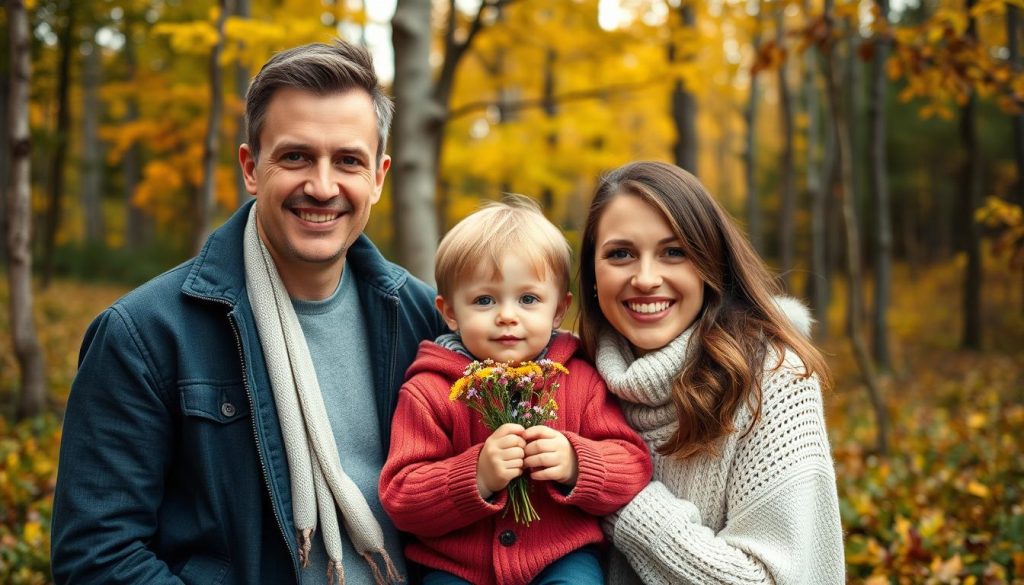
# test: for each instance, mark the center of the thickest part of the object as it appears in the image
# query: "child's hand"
(501, 459)
(550, 455)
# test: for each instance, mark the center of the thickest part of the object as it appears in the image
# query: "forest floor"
(945, 506)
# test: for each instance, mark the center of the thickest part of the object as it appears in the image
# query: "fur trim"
(797, 313)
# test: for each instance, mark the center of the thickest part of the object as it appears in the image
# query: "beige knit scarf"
(320, 487)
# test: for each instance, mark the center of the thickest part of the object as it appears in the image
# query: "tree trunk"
(92, 149)
(243, 9)
(138, 225)
(207, 205)
(970, 198)
(32, 397)
(1013, 44)
(53, 211)
(880, 188)
(418, 130)
(754, 229)
(818, 280)
(844, 192)
(684, 103)
(547, 196)
(5, 143)
(787, 199)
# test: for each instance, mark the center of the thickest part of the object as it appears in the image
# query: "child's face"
(509, 317)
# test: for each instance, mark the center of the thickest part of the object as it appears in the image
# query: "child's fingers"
(543, 460)
(507, 429)
(539, 432)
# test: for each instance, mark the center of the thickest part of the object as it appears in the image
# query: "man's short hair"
(513, 225)
(320, 68)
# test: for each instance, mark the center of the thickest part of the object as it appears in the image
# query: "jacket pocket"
(221, 403)
(204, 570)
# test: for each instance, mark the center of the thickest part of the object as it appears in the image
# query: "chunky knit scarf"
(644, 383)
(320, 487)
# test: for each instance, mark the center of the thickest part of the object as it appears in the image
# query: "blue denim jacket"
(172, 466)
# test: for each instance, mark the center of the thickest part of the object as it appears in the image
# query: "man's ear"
(248, 163)
(378, 178)
(563, 306)
(447, 312)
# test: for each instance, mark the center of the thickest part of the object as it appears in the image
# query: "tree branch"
(570, 96)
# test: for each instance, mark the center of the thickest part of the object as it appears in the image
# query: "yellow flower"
(559, 368)
(525, 370)
(483, 374)
(458, 388)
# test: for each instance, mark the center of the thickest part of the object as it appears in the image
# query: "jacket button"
(227, 409)
(507, 538)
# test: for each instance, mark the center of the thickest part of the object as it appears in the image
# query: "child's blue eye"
(529, 299)
(483, 301)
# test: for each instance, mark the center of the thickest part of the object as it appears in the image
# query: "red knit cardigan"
(428, 484)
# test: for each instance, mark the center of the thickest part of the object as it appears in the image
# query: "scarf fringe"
(335, 568)
(305, 545)
(379, 578)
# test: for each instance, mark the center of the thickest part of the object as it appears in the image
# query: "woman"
(719, 379)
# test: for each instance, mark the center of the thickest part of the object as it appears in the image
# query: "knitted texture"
(762, 510)
(320, 487)
(428, 485)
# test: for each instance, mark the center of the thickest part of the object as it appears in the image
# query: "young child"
(502, 276)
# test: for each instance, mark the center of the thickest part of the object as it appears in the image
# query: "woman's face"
(647, 288)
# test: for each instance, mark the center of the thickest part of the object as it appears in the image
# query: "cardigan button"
(507, 538)
(228, 409)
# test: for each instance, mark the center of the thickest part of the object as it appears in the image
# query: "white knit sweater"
(763, 510)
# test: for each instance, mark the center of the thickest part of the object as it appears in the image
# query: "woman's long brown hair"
(738, 322)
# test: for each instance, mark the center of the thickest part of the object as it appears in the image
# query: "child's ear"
(447, 312)
(563, 306)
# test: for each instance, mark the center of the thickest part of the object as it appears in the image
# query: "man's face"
(315, 180)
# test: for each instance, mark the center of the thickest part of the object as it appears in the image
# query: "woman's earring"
(595, 291)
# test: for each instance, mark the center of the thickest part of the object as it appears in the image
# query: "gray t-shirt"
(335, 331)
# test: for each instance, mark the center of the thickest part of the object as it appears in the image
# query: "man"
(230, 418)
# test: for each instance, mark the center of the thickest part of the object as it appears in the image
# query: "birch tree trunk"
(418, 130)
(844, 192)
(207, 204)
(787, 196)
(92, 150)
(880, 189)
(32, 395)
(684, 103)
(970, 198)
(53, 211)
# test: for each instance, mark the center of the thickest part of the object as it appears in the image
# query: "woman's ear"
(447, 312)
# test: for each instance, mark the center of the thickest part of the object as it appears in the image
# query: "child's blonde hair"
(514, 224)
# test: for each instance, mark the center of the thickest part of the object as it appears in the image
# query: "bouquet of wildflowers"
(503, 393)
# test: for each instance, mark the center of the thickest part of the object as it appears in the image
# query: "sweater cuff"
(590, 474)
(462, 485)
(640, 523)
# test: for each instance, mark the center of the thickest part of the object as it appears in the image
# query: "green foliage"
(91, 262)
(28, 464)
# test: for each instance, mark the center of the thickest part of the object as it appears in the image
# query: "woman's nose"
(647, 276)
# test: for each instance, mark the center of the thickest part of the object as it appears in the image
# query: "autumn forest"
(873, 151)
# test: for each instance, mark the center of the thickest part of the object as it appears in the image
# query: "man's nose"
(322, 182)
